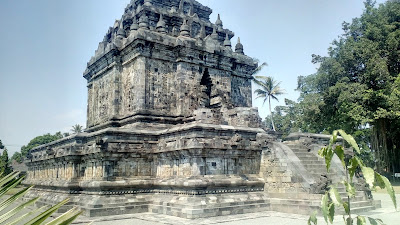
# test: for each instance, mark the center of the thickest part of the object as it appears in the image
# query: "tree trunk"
(270, 112)
(379, 144)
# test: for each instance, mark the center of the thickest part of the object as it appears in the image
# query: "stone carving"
(322, 185)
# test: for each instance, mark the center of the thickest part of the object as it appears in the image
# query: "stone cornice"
(173, 50)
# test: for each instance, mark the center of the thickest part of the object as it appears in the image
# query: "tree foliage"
(5, 163)
(357, 86)
(76, 129)
(269, 89)
(35, 142)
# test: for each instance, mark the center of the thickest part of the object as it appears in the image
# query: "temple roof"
(173, 18)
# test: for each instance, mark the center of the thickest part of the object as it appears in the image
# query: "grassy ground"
(15, 190)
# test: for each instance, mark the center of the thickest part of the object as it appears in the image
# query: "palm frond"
(26, 215)
(259, 68)
(44, 215)
(269, 88)
(274, 97)
(278, 91)
(260, 82)
(17, 209)
(260, 92)
(7, 178)
(13, 198)
(10, 186)
(66, 218)
(7, 212)
(265, 99)
(261, 78)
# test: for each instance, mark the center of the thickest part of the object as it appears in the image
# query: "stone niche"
(170, 128)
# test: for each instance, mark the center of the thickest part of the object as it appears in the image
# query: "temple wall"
(180, 154)
(161, 94)
(101, 98)
(133, 86)
(134, 167)
(241, 91)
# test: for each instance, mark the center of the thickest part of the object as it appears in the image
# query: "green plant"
(10, 209)
(351, 164)
(269, 88)
(76, 129)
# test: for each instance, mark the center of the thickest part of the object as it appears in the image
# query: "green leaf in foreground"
(313, 219)
(15, 210)
(353, 167)
(369, 175)
(384, 182)
(350, 189)
(346, 207)
(328, 159)
(13, 198)
(349, 139)
(26, 215)
(335, 196)
(361, 220)
(325, 206)
(12, 184)
(66, 217)
(339, 151)
(331, 212)
(373, 221)
(8, 178)
(43, 216)
(349, 221)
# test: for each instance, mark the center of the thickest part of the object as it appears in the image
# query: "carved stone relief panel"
(241, 92)
(162, 86)
(101, 99)
(128, 90)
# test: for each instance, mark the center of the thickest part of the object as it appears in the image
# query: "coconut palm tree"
(76, 129)
(270, 88)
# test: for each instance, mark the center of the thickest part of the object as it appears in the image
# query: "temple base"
(184, 206)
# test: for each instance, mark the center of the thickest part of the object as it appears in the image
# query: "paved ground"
(387, 213)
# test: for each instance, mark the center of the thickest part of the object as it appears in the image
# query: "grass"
(15, 190)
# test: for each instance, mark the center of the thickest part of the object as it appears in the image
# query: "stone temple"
(171, 128)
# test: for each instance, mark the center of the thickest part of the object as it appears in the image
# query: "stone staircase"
(315, 165)
(360, 203)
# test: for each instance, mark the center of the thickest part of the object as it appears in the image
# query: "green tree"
(356, 87)
(286, 118)
(35, 142)
(1, 145)
(17, 157)
(76, 129)
(5, 162)
(269, 89)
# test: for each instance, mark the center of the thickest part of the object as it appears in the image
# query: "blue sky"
(45, 45)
